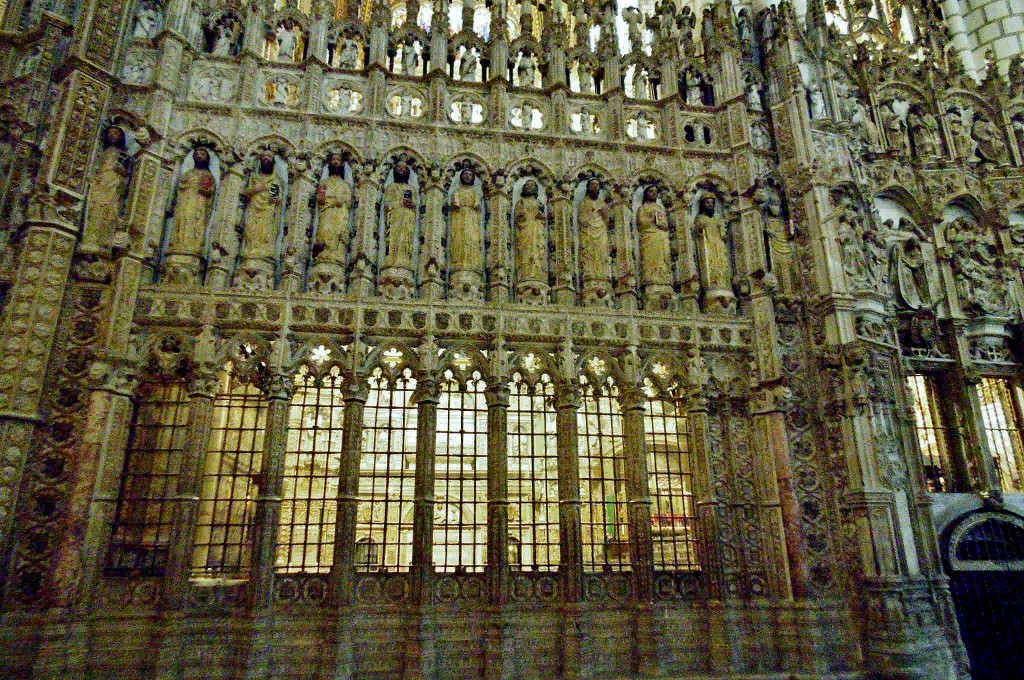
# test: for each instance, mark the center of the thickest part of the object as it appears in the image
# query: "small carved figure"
(264, 197)
(963, 144)
(106, 191)
(988, 140)
(924, 132)
(334, 196)
(816, 102)
(409, 59)
(466, 242)
(400, 205)
(192, 209)
(287, 41)
(349, 55)
(861, 121)
(895, 128)
(634, 20)
(655, 250)
(526, 70)
(851, 243)
(593, 225)
(777, 238)
(468, 65)
(147, 20)
(586, 80)
(641, 84)
(531, 235)
(909, 272)
(712, 233)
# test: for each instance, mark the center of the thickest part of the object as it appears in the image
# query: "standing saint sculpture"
(655, 251)
(192, 210)
(531, 236)
(713, 236)
(106, 192)
(334, 196)
(400, 201)
(779, 249)
(263, 210)
(466, 242)
(594, 250)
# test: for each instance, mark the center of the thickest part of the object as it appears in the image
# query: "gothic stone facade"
(751, 225)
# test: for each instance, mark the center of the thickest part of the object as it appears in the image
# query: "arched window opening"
(1001, 407)
(602, 461)
(533, 473)
(460, 475)
(224, 532)
(670, 471)
(142, 523)
(367, 554)
(515, 552)
(933, 431)
(309, 505)
(387, 467)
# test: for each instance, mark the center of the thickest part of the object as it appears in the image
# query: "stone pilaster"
(433, 226)
(625, 267)
(560, 198)
(365, 250)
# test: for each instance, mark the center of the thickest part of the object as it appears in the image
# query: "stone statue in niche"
(264, 198)
(988, 140)
(148, 20)
(526, 70)
(655, 251)
(224, 35)
(963, 144)
(778, 246)
(976, 269)
(531, 256)
(400, 201)
(194, 203)
(594, 250)
(334, 197)
(924, 131)
(106, 192)
(348, 57)
(409, 59)
(466, 241)
(633, 19)
(861, 121)
(895, 128)
(712, 234)
(469, 65)
(641, 84)
(285, 43)
(850, 233)
(908, 268)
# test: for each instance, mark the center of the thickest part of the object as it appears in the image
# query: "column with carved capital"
(343, 568)
(278, 388)
(499, 236)
(365, 247)
(224, 247)
(625, 278)
(185, 510)
(497, 489)
(432, 255)
(567, 400)
(295, 249)
(564, 264)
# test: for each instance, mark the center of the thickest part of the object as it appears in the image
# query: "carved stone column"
(295, 245)
(185, 510)
(497, 490)
(225, 235)
(625, 278)
(427, 397)
(499, 236)
(686, 263)
(432, 256)
(567, 402)
(343, 568)
(565, 267)
(704, 495)
(364, 251)
(439, 37)
(279, 389)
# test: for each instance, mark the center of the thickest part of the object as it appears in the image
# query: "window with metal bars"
(224, 532)
(142, 523)
(1001, 402)
(602, 463)
(933, 434)
(670, 478)
(460, 475)
(311, 464)
(387, 470)
(533, 473)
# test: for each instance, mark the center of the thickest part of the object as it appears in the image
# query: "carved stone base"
(397, 284)
(720, 300)
(466, 285)
(532, 292)
(658, 297)
(255, 274)
(182, 270)
(597, 293)
(327, 277)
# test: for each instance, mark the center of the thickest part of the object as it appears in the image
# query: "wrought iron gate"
(985, 559)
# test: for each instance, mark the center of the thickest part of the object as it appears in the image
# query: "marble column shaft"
(343, 569)
(569, 504)
(427, 398)
(497, 492)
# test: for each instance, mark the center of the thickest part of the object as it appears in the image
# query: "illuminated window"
(602, 462)
(533, 473)
(142, 525)
(367, 554)
(1001, 415)
(387, 468)
(460, 476)
(670, 476)
(311, 464)
(933, 434)
(223, 543)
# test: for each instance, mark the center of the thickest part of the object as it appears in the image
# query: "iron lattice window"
(460, 476)
(933, 435)
(670, 476)
(311, 467)
(602, 462)
(223, 545)
(388, 472)
(533, 474)
(142, 523)
(1001, 415)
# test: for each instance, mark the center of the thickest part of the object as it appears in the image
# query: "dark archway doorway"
(984, 554)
